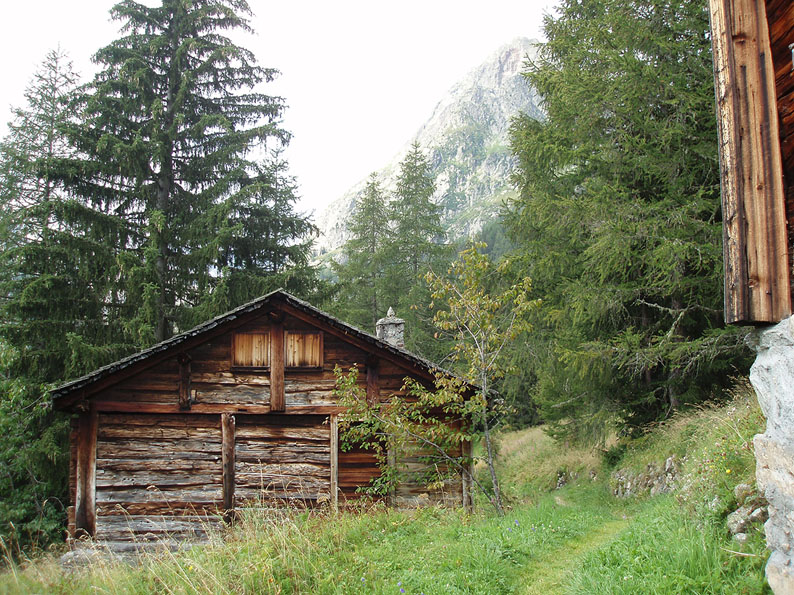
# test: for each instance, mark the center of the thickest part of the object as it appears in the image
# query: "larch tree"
(618, 219)
(176, 141)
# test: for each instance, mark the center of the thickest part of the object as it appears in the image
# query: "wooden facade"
(754, 80)
(239, 410)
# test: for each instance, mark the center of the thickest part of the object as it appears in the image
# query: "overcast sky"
(359, 76)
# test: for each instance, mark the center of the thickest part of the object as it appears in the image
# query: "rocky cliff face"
(467, 140)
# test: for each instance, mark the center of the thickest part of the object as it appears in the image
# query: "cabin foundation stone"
(772, 377)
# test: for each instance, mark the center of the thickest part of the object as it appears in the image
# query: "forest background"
(154, 197)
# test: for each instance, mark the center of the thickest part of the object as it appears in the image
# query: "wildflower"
(516, 521)
(727, 471)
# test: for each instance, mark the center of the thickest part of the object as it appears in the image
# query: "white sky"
(359, 76)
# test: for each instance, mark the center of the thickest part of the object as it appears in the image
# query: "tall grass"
(666, 551)
(579, 539)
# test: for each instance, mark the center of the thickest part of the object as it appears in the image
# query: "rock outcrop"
(467, 141)
(655, 479)
(772, 376)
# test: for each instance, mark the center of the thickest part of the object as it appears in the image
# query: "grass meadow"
(576, 539)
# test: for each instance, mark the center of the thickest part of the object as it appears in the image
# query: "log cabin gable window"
(251, 351)
(304, 350)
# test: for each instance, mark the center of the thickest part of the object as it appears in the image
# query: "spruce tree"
(361, 273)
(57, 317)
(618, 220)
(416, 245)
(178, 141)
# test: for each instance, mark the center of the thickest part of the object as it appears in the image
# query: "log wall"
(755, 238)
(170, 452)
(780, 17)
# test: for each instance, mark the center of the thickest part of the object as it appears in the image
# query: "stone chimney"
(391, 329)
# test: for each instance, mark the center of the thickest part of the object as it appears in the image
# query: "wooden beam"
(334, 421)
(85, 496)
(373, 386)
(755, 246)
(211, 408)
(184, 381)
(467, 499)
(277, 401)
(227, 457)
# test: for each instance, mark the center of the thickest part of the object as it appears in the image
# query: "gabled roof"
(189, 339)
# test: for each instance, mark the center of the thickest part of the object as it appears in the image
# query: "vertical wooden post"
(277, 401)
(184, 381)
(391, 461)
(334, 462)
(227, 458)
(755, 243)
(373, 388)
(467, 500)
(85, 497)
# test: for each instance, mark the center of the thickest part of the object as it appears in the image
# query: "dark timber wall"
(166, 447)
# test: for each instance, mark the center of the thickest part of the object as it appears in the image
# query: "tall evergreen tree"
(418, 234)
(56, 320)
(171, 127)
(361, 273)
(618, 218)
(415, 245)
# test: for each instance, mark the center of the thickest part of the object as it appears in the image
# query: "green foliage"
(170, 128)
(618, 220)
(432, 424)
(362, 273)
(416, 245)
(56, 320)
(34, 459)
(665, 551)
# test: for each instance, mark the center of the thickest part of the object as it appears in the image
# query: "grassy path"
(546, 574)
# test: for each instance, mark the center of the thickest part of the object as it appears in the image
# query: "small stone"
(737, 521)
(741, 537)
(759, 515)
(741, 492)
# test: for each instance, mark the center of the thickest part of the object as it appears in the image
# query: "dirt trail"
(546, 574)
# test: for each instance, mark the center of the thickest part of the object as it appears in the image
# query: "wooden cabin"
(238, 410)
(754, 77)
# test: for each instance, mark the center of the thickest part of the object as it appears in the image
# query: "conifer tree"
(618, 220)
(172, 127)
(56, 316)
(362, 272)
(416, 245)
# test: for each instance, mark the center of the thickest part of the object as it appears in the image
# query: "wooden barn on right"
(753, 43)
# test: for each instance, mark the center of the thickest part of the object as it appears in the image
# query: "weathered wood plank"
(158, 408)
(277, 402)
(251, 470)
(158, 449)
(211, 494)
(227, 427)
(85, 501)
(284, 453)
(373, 386)
(757, 287)
(334, 422)
(184, 381)
(155, 477)
(281, 433)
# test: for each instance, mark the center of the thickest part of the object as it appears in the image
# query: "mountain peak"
(467, 139)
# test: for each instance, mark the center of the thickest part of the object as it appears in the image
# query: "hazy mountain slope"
(467, 140)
